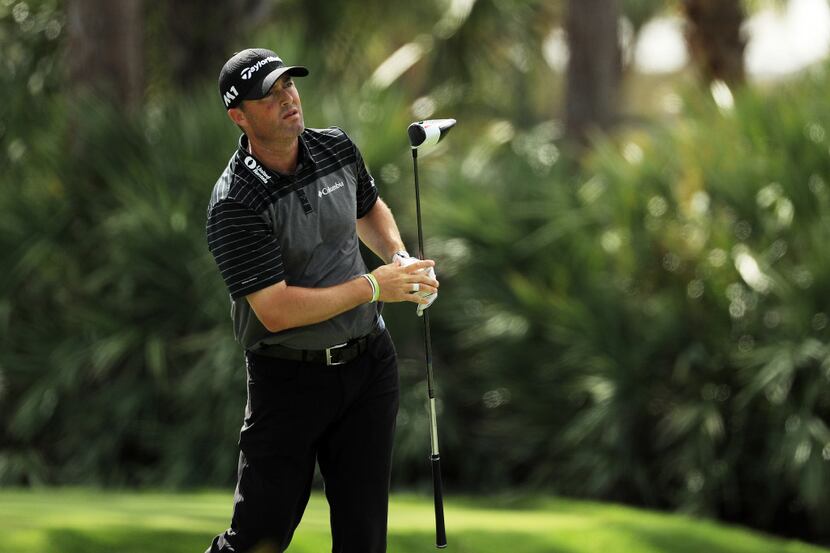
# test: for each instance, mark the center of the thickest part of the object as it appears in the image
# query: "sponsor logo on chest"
(325, 191)
(257, 169)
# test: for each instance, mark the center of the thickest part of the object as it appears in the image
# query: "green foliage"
(80, 521)
(29, 39)
(652, 328)
(649, 327)
(640, 12)
(110, 344)
(117, 360)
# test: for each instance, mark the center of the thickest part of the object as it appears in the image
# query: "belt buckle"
(329, 360)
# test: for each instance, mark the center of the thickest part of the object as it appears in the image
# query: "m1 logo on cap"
(248, 71)
(230, 96)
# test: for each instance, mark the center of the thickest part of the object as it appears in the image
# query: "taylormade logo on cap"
(248, 71)
(250, 74)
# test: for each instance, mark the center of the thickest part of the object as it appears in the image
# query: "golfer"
(283, 225)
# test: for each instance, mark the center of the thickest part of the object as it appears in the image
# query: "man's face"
(277, 116)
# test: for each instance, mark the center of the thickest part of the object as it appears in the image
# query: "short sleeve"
(243, 246)
(367, 193)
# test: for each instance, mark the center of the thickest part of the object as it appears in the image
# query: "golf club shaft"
(435, 457)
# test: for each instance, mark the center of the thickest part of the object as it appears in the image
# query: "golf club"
(427, 133)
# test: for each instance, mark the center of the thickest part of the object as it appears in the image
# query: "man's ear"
(236, 115)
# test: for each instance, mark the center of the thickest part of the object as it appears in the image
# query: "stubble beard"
(279, 133)
(294, 129)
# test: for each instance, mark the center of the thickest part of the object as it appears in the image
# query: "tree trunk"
(104, 53)
(594, 67)
(198, 40)
(713, 33)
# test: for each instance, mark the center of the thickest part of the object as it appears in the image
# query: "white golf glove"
(405, 259)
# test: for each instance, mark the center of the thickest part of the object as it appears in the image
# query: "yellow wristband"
(375, 286)
(376, 295)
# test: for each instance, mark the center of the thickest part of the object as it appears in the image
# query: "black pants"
(343, 417)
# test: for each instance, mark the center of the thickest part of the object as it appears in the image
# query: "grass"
(87, 521)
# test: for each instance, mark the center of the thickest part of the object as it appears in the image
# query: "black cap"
(251, 73)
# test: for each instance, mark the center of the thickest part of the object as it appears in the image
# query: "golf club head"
(429, 132)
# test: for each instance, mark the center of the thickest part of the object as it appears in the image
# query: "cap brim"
(262, 90)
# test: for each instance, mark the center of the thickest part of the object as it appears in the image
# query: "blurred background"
(630, 222)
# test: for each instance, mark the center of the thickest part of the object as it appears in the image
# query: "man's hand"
(410, 282)
(405, 260)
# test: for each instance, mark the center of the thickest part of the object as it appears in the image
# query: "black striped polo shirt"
(264, 227)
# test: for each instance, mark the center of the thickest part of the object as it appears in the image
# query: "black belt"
(335, 355)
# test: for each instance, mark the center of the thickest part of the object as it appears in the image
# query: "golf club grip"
(440, 531)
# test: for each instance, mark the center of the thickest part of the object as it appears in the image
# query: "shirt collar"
(305, 156)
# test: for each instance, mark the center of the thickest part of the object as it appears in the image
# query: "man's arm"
(279, 306)
(377, 229)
